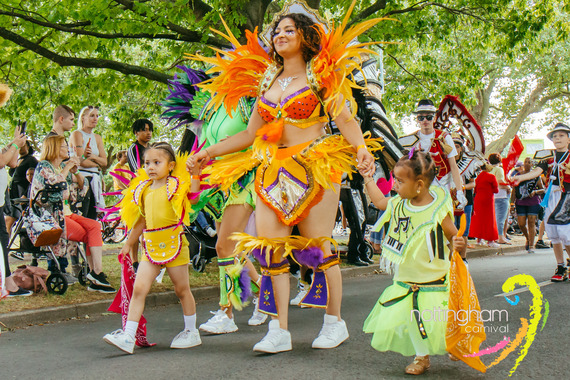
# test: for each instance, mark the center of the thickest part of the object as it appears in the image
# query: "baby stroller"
(56, 283)
(202, 246)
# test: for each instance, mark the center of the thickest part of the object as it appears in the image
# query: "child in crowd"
(123, 165)
(154, 205)
(421, 224)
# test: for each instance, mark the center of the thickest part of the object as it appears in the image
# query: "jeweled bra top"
(301, 108)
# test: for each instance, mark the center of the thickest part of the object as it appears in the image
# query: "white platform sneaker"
(220, 323)
(332, 334)
(186, 339)
(121, 340)
(257, 318)
(276, 340)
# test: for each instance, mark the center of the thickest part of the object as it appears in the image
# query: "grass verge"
(77, 293)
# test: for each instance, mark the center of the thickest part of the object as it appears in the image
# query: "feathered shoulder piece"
(130, 207)
(239, 70)
(181, 197)
(332, 69)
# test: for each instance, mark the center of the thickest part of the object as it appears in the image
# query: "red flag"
(123, 298)
(515, 151)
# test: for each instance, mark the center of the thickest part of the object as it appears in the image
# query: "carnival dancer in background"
(440, 145)
(557, 214)
(186, 106)
(301, 84)
(421, 225)
(237, 208)
(155, 205)
(469, 164)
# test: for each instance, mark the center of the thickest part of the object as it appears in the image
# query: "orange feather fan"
(240, 70)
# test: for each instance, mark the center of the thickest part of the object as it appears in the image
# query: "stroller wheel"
(56, 283)
(199, 263)
(82, 277)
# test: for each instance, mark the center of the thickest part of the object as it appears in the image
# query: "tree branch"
(380, 4)
(462, 11)
(200, 9)
(129, 5)
(424, 4)
(416, 7)
(84, 62)
(403, 68)
(481, 110)
(67, 29)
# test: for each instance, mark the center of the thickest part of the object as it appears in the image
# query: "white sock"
(131, 328)
(329, 319)
(190, 322)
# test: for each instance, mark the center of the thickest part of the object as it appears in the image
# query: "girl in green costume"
(421, 225)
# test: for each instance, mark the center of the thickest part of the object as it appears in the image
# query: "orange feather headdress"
(242, 70)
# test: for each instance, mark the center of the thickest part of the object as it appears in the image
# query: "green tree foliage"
(118, 54)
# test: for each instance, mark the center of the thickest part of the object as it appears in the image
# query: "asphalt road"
(75, 349)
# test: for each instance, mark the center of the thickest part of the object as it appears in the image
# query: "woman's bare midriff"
(293, 135)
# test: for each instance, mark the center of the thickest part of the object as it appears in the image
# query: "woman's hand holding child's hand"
(365, 160)
(199, 159)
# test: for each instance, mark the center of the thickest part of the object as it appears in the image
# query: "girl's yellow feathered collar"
(172, 185)
(178, 186)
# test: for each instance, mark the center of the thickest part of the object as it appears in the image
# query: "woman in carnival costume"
(421, 225)
(300, 85)
(156, 204)
(556, 200)
(231, 210)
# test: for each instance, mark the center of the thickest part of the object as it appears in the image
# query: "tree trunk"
(534, 103)
(481, 110)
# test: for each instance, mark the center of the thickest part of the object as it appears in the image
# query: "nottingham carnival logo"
(522, 339)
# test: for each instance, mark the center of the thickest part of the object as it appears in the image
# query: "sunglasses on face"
(426, 117)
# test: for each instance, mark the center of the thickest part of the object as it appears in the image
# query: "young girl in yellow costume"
(421, 225)
(301, 85)
(156, 204)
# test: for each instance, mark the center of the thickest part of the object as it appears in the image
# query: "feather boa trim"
(245, 244)
(241, 284)
(226, 171)
(325, 155)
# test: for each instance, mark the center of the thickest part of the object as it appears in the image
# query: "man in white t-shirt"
(440, 146)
